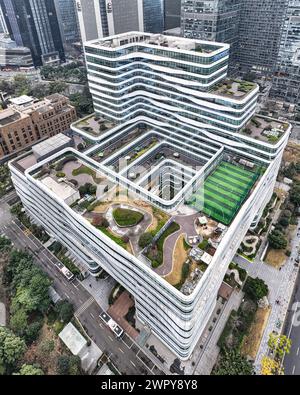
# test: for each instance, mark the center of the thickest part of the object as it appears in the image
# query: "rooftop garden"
(155, 252)
(265, 129)
(125, 217)
(94, 125)
(234, 88)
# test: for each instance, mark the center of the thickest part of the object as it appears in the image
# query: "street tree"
(270, 367)
(65, 310)
(279, 345)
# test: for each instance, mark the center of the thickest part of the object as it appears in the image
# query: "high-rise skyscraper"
(252, 28)
(68, 21)
(172, 10)
(260, 28)
(100, 18)
(213, 20)
(153, 11)
(34, 24)
(3, 27)
(286, 81)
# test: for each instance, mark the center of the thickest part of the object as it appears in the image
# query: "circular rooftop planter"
(126, 218)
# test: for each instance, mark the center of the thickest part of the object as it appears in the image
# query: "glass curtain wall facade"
(153, 16)
(68, 20)
(260, 28)
(213, 20)
(3, 27)
(34, 24)
(286, 81)
(172, 11)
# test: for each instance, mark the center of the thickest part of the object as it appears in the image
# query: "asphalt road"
(126, 355)
(292, 360)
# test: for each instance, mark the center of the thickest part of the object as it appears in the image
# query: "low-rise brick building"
(21, 125)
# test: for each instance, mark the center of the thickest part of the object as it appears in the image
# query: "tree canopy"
(145, 239)
(279, 345)
(255, 288)
(65, 310)
(277, 240)
(30, 370)
(232, 363)
(11, 347)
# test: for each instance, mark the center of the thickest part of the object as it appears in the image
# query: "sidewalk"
(100, 289)
(211, 350)
(281, 285)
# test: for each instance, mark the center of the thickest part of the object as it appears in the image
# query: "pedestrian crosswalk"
(84, 306)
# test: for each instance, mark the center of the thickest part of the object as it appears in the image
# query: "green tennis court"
(224, 192)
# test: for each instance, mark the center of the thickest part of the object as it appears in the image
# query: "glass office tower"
(213, 20)
(172, 11)
(260, 28)
(34, 24)
(153, 16)
(67, 16)
(286, 82)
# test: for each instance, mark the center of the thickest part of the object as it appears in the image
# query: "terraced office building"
(174, 140)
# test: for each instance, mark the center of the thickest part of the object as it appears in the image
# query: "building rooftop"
(22, 100)
(72, 338)
(60, 189)
(9, 116)
(94, 125)
(160, 40)
(234, 88)
(218, 198)
(265, 129)
(50, 145)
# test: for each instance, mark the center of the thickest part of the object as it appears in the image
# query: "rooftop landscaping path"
(94, 125)
(179, 256)
(133, 232)
(187, 227)
(82, 174)
(224, 192)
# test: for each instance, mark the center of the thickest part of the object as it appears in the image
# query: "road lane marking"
(92, 315)
(293, 371)
(111, 338)
(101, 325)
(67, 295)
(133, 364)
(120, 349)
(298, 351)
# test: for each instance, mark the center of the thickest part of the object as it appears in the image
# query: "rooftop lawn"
(224, 192)
(126, 217)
